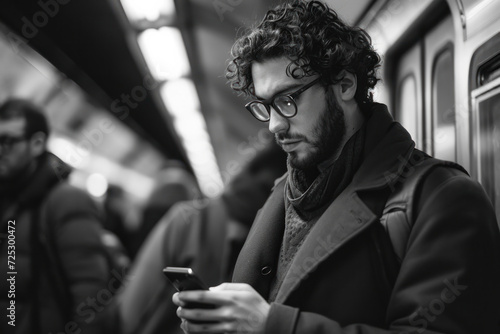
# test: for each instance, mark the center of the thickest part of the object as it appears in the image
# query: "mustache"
(279, 137)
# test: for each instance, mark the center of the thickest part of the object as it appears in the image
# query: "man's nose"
(277, 123)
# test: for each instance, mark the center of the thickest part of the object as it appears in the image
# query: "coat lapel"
(263, 243)
(328, 235)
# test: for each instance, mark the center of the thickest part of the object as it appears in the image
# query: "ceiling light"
(182, 102)
(164, 52)
(150, 10)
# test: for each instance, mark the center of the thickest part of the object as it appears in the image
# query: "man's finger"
(232, 287)
(218, 314)
(219, 327)
(216, 298)
(177, 301)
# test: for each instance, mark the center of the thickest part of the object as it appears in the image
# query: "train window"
(490, 71)
(408, 105)
(443, 101)
(425, 100)
(488, 144)
(409, 93)
(440, 91)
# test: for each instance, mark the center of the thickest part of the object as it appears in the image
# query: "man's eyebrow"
(281, 91)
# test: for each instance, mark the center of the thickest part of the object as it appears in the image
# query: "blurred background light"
(67, 151)
(150, 10)
(97, 185)
(163, 49)
(129, 179)
(164, 52)
(181, 100)
(181, 95)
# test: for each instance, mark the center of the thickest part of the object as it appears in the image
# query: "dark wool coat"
(74, 224)
(341, 280)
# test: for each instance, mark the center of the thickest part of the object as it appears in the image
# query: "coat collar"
(31, 189)
(382, 166)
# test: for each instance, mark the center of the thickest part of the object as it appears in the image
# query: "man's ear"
(37, 144)
(348, 85)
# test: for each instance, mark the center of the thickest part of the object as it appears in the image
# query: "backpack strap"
(399, 212)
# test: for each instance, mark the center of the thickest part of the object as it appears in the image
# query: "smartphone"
(184, 279)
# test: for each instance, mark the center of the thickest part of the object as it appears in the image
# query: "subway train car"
(138, 104)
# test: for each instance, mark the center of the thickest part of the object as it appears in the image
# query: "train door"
(484, 84)
(425, 91)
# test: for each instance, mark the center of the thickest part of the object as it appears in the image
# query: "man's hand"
(238, 309)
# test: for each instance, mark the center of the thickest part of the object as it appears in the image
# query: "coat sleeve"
(449, 278)
(145, 303)
(76, 225)
(146, 282)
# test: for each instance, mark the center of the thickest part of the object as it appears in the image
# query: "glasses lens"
(286, 106)
(259, 111)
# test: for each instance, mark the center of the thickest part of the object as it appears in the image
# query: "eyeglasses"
(284, 104)
(7, 143)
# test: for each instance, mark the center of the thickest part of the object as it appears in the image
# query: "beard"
(12, 178)
(325, 139)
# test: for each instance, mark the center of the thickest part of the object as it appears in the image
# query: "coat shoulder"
(65, 201)
(457, 199)
(280, 181)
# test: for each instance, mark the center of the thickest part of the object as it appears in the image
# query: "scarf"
(306, 198)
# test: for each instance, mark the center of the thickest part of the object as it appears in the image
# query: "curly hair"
(316, 41)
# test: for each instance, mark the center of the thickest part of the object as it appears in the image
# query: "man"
(349, 241)
(51, 250)
(205, 235)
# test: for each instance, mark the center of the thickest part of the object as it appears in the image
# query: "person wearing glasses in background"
(52, 261)
(365, 233)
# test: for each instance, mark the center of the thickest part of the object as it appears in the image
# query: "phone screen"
(184, 279)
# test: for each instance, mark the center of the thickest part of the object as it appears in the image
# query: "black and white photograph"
(250, 166)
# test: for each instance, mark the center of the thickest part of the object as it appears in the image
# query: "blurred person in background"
(205, 235)
(173, 184)
(114, 206)
(60, 260)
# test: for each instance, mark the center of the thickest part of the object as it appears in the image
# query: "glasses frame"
(292, 97)
(9, 145)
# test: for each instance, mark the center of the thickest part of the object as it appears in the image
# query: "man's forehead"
(14, 126)
(270, 77)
